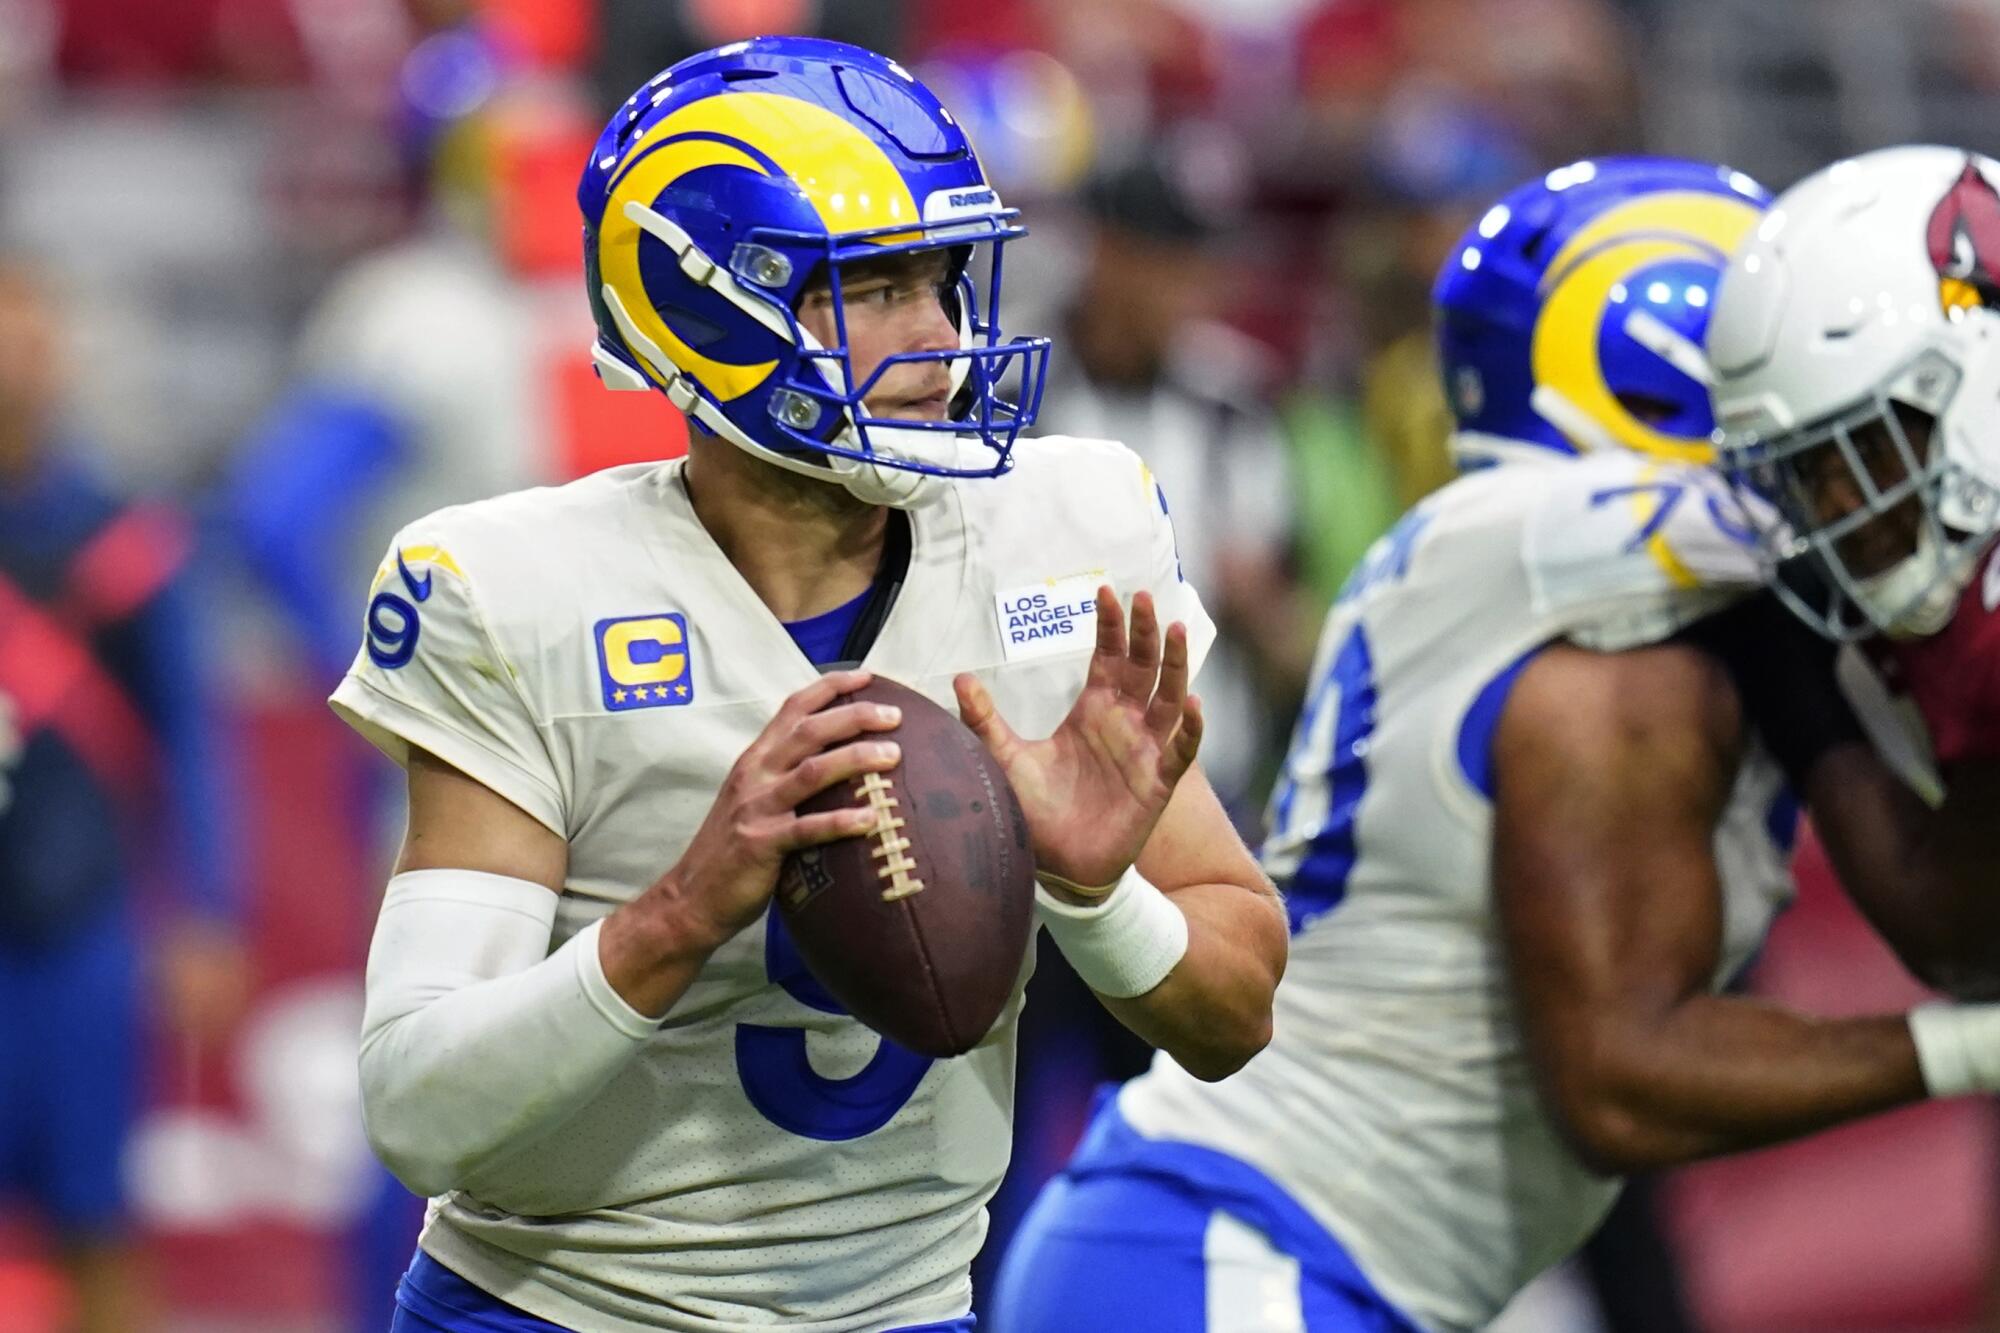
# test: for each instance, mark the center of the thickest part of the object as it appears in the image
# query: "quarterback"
(587, 1037)
(1526, 834)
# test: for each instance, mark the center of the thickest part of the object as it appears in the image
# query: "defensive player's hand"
(1093, 791)
(723, 881)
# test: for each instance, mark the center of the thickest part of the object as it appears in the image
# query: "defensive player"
(1856, 345)
(1518, 865)
(586, 1036)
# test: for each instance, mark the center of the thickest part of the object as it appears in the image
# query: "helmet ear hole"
(692, 329)
(1649, 408)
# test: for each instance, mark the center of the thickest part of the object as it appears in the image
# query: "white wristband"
(1958, 1047)
(1123, 946)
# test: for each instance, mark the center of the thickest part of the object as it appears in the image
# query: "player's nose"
(1835, 494)
(933, 330)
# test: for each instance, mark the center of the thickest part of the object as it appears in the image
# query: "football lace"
(890, 846)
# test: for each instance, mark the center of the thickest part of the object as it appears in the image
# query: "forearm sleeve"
(476, 1039)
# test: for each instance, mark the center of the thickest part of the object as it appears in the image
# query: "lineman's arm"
(1611, 774)
(1213, 1011)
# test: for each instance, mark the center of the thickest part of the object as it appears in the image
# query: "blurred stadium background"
(315, 269)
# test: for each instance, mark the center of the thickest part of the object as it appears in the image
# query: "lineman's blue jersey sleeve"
(432, 674)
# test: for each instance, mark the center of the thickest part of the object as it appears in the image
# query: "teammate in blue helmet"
(1525, 834)
(589, 1038)
(1570, 317)
(708, 216)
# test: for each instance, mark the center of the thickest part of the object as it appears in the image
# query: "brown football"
(920, 927)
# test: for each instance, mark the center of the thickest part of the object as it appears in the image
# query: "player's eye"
(1879, 456)
(1822, 469)
(876, 293)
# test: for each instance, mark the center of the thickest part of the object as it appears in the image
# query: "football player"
(587, 1037)
(1856, 349)
(1525, 837)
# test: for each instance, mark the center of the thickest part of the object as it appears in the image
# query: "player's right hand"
(726, 877)
(1094, 790)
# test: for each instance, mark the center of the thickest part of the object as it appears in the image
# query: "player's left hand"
(1093, 791)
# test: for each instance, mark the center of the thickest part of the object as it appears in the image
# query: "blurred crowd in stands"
(304, 269)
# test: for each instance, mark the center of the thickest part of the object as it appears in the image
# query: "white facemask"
(1916, 597)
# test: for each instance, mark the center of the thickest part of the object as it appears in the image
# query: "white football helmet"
(1855, 343)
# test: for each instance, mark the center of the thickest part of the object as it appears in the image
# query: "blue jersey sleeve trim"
(1320, 883)
(1475, 733)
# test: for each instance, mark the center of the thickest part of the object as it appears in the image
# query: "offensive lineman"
(585, 1034)
(1518, 864)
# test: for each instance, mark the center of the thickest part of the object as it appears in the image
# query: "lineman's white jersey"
(1395, 1101)
(589, 653)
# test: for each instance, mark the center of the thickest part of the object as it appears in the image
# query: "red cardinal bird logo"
(1964, 239)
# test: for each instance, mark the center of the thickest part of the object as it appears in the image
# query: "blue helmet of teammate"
(738, 177)
(1570, 317)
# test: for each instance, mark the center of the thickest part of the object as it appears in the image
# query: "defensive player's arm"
(1927, 879)
(1213, 1011)
(1612, 771)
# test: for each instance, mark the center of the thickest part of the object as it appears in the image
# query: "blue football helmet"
(736, 178)
(1570, 317)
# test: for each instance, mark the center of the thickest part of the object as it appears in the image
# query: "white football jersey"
(589, 653)
(1396, 1101)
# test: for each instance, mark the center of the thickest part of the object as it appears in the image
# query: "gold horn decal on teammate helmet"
(1576, 297)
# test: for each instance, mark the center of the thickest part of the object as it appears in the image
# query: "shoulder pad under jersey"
(1623, 551)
